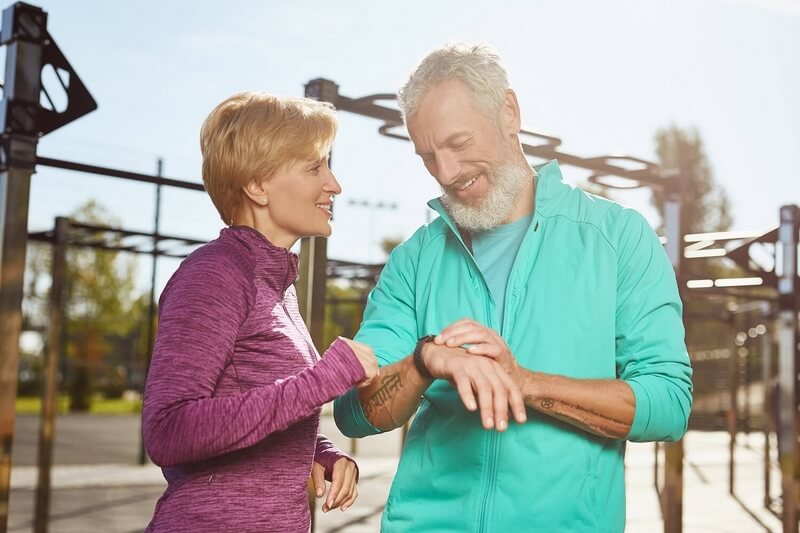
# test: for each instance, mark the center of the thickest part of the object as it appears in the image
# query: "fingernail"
(438, 339)
(489, 422)
(472, 406)
(320, 492)
(344, 509)
(502, 425)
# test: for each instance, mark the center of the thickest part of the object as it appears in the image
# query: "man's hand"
(482, 341)
(344, 490)
(496, 391)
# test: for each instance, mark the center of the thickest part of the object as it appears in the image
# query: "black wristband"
(418, 362)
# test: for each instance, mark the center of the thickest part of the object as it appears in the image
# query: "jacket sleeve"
(326, 454)
(200, 313)
(389, 327)
(651, 354)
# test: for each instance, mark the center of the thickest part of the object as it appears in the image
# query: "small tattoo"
(547, 403)
(528, 398)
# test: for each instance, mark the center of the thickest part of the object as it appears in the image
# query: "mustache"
(461, 180)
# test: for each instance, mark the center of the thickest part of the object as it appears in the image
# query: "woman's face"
(301, 198)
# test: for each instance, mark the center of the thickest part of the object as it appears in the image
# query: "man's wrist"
(419, 361)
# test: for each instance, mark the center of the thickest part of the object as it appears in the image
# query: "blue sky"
(602, 76)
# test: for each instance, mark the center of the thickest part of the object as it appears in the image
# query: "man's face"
(466, 151)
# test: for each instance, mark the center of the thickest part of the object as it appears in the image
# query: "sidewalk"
(119, 498)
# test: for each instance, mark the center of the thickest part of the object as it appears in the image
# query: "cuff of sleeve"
(341, 366)
(327, 455)
(350, 417)
(641, 413)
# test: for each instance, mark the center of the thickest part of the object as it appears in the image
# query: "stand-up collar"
(277, 266)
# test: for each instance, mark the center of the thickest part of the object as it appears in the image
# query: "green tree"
(102, 314)
(704, 208)
(704, 205)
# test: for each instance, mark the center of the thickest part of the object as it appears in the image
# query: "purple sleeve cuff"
(339, 359)
(327, 454)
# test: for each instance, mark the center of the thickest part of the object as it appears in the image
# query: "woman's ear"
(256, 190)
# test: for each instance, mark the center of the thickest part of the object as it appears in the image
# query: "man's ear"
(510, 121)
(256, 190)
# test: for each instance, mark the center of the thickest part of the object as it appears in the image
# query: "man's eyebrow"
(452, 137)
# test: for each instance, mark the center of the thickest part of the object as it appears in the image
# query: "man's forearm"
(603, 407)
(394, 396)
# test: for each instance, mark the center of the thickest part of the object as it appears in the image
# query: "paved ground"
(99, 488)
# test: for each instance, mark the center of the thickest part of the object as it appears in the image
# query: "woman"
(235, 388)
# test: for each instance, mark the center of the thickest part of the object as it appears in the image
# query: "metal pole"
(733, 415)
(789, 363)
(50, 382)
(673, 451)
(766, 410)
(311, 286)
(151, 310)
(23, 33)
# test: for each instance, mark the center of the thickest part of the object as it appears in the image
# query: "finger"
(515, 400)
(337, 478)
(318, 477)
(351, 500)
(486, 349)
(464, 387)
(455, 326)
(347, 485)
(470, 336)
(500, 399)
(485, 402)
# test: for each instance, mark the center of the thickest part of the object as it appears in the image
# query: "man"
(555, 305)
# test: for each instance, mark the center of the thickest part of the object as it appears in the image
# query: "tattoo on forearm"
(389, 384)
(549, 403)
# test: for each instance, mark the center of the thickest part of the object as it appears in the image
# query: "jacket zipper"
(491, 454)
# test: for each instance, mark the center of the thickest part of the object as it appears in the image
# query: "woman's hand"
(367, 359)
(343, 491)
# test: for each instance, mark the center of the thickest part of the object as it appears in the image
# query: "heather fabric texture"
(235, 389)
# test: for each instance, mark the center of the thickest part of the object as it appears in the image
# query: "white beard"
(506, 181)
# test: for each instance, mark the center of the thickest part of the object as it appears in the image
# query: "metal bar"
(23, 31)
(366, 106)
(151, 308)
(789, 363)
(14, 193)
(673, 451)
(116, 173)
(733, 414)
(767, 402)
(50, 382)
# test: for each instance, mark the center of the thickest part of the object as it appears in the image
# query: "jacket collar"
(275, 265)
(549, 185)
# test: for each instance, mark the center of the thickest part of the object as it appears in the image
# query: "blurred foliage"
(704, 208)
(104, 334)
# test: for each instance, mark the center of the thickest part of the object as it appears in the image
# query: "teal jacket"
(591, 295)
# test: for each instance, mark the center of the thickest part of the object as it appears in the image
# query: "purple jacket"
(235, 389)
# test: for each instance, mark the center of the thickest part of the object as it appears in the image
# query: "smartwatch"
(418, 362)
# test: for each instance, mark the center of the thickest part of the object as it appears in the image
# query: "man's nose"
(448, 168)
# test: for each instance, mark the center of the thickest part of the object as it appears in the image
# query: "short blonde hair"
(476, 66)
(250, 135)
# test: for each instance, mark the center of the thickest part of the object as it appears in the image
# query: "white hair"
(476, 66)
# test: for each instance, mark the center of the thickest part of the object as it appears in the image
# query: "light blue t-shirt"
(495, 251)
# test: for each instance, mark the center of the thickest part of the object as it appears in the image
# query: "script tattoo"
(389, 384)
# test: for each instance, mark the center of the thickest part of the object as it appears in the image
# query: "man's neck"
(526, 202)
